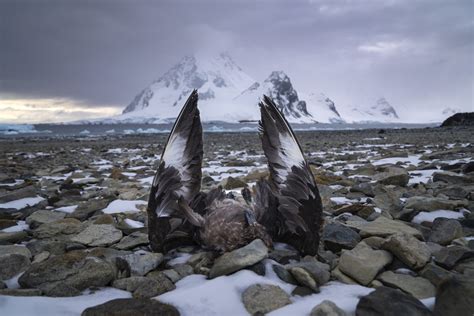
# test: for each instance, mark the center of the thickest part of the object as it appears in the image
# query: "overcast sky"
(72, 59)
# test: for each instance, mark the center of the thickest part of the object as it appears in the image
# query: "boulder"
(385, 301)
(393, 176)
(459, 119)
(416, 286)
(408, 249)
(445, 230)
(455, 296)
(68, 274)
(363, 263)
(264, 298)
(131, 307)
(336, 237)
(98, 235)
(327, 308)
(238, 259)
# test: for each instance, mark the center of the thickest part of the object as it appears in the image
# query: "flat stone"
(142, 262)
(363, 263)
(66, 226)
(98, 235)
(327, 308)
(447, 257)
(133, 240)
(393, 176)
(42, 217)
(283, 256)
(20, 292)
(455, 296)
(155, 286)
(416, 286)
(435, 274)
(131, 307)
(230, 183)
(284, 274)
(445, 230)
(337, 274)
(336, 237)
(238, 259)
(68, 274)
(319, 271)
(408, 249)
(384, 227)
(304, 278)
(390, 302)
(452, 177)
(130, 284)
(85, 209)
(264, 298)
(425, 203)
(13, 237)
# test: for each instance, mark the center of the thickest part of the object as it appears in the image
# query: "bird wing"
(179, 172)
(299, 208)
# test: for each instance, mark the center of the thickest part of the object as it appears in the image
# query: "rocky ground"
(398, 235)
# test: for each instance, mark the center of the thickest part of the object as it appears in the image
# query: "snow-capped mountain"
(381, 111)
(227, 93)
(278, 87)
(323, 108)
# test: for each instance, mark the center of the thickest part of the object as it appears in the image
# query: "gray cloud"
(104, 52)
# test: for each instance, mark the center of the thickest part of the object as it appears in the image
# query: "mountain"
(323, 108)
(277, 86)
(450, 111)
(381, 111)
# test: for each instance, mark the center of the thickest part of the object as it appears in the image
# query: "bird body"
(286, 207)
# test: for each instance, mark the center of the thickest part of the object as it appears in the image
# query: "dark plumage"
(286, 207)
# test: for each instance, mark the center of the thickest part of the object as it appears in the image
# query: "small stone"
(98, 235)
(390, 302)
(42, 217)
(264, 298)
(423, 203)
(238, 259)
(66, 226)
(393, 176)
(154, 287)
(336, 237)
(445, 230)
(42, 256)
(416, 286)
(172, 275)
(232, 183)
(304, 278)
(131, 307)
(13, 237)
(183, 269)
(319, 271)
(130, 284)
(384, 227)
(133, 240)
(284, 274)
(302, 291)
(283, 256)
(363, 263)
(336, 273)
(408, 249)
(327, 308)
(140, 263)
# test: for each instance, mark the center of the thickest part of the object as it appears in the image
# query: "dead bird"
(286, 207)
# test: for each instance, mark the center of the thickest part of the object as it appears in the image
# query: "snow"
(20, 226)
(15, 129)
(421, 176)
(431, 216)
(412, 159)
(195, 295)
(60, 306)
(123, 206)
(179, 258)
(134, 224)
(11, 184)
(22, 203)
(343, 200)
(66, 209)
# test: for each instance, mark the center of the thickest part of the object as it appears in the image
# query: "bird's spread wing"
(299, 208)
(179, 172)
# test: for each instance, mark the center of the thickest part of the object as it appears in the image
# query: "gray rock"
(435, 274)
(73, 270)
(339, 275)
(283, 256)
(20, 292)
(130, 284)
(327, 308)
(304, 278)
(447, 257)
(133, 240)
(29, 191)
(12, 264)
(42, 217)
(385, 301)
(416, 286)
(445, 230)
(408, 249)
(451, 177)
(98, 235)
(455, 296)
(131, 307)
(384, 227)
(319, 271)
(66, 226)
(336, 237)
(393, 175)
(85, 209)
(232, 183)
(142, 262)
(238, 259)
(13, 237)
(42, 256)
(363, 263)
(172, 275)
(264, 298)
(157, 285)
(54, 247)
(425, 203)
(183, 269)
(284, 274)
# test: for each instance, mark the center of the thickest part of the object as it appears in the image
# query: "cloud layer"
(99, 54)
